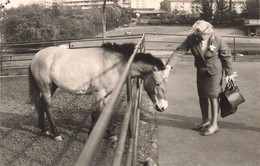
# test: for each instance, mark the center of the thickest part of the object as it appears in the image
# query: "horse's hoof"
(46, 133)
(58, 138)
(113, 139)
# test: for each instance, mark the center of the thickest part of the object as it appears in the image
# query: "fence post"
(144, 48)
(234, 47)
(1, 64)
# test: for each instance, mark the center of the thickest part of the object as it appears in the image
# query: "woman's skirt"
(208, 83)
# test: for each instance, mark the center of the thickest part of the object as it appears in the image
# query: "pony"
(89, 71)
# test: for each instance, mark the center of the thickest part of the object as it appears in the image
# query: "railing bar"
(125, 125)
(160, 49)
(13, 60)
(13, 66)
(160, 41)
(131, 123)
(17, 55)
(122, 138)
(67, 41)
(137, 118)
(130, 152)
(174, 34)
(13, 76)
(88, 153)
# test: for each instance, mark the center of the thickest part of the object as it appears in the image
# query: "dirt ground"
(22, 144)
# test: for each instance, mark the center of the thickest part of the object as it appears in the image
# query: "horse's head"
(155, 86)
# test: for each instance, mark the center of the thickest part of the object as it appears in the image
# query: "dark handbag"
(230, 98)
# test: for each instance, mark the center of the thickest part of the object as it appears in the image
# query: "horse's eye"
(158, 84)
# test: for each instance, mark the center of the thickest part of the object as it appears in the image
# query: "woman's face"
(201, 35)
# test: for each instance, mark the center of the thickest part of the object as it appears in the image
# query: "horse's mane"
(127, 50)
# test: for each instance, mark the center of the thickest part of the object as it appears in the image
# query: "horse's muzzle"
(161, 105)
(159, 109)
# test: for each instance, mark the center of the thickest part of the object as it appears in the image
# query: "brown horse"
(90, 71)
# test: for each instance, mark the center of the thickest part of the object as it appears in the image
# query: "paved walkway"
(238, 141)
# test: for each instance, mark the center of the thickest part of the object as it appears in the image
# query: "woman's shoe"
(210, 131)
(201, 126)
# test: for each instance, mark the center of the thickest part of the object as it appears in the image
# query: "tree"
(104, 19)
(204, 8)
(252, 10)
(207, 11)
(222, 10)
(229, 10)
(36, 23)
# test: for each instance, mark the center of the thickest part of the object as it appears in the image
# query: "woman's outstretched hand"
(166, 71)
(231, 77)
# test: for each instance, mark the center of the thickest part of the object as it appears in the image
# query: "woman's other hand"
(231, 77)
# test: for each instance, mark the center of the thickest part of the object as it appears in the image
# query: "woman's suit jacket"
(220, 57)
(209, 65)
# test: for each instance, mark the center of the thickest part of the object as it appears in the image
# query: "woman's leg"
(214, 111)
(204, 107)
(213, 128)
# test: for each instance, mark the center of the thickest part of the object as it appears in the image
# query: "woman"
(212, 56)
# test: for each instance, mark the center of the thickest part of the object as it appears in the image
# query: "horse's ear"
(155, 68)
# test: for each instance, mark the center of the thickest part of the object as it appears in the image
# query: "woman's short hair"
(203, 27)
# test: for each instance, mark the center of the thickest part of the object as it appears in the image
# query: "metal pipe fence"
(239, 45)
(130, 124)
(15, 57)
(90, 148)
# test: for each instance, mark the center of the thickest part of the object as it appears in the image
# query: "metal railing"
(170, 41)
(12, 60)
(92, 145)
(130, 126)
(16, 57)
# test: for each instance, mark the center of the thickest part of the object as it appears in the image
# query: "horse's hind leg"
(47, 107)
(41, 123)
(44, 105)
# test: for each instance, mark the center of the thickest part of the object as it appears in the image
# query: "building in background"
(83, 4)
(177, 5)
(186, 6)
(52, 3)
(145, 4)
(124, 3)
(252, 27)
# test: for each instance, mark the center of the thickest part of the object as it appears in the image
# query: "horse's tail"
(34, 92)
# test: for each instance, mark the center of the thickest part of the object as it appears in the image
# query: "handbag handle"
(230, 85)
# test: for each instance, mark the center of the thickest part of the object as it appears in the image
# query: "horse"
(87, 71)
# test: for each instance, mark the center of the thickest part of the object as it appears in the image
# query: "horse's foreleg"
(110, 134)
(54, 130)
(97, 111)
(98, 106)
